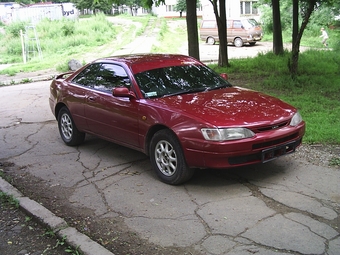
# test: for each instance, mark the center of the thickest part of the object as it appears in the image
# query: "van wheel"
(238, 42)
(211, 41)
(252, 43)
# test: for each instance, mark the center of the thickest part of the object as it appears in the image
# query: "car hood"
(230, 106)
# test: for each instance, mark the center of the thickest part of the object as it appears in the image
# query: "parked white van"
(239, 31)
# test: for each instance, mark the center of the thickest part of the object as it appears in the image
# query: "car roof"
(143, 62)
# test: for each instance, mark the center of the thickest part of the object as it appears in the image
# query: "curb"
(28, 80)
(58, 225)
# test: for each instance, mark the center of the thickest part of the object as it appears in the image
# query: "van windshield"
(249, 23)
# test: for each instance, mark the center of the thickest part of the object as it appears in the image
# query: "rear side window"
(209, 24)
(238, 24)
(103, 77)
(212, 24)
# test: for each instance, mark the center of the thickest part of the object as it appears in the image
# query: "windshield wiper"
(187, 91)
(219, 87)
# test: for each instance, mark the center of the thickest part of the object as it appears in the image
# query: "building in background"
(11, 12)
(234, 8)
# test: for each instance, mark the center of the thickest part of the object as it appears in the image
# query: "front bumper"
(262, 148)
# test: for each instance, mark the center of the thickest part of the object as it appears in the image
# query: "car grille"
(270, 127)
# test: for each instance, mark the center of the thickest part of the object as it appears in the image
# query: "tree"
(192, 31)
(295, 21)
(133, 5)
(221, 20)
(181, 6)
(102, 5)
(303, 9)
(277, 30)
(307, 8)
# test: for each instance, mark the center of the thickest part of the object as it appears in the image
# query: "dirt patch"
(20, 234)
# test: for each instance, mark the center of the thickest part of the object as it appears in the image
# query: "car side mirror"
(123, 92)
(224, 76)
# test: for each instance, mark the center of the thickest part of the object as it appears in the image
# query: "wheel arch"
(210, 36)
(57, 109)
(153, 130)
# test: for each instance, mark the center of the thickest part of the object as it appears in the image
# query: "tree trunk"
(222, 34)
(293, 65)
(221, 19)
(277, 30)
(191, 18)
(295, 21)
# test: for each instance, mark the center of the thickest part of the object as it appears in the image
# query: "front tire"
(167, 158)
(68, 130)
(238, 42)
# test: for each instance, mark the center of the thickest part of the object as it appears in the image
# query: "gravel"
(320, 155)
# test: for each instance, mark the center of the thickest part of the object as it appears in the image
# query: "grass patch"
(167, 42)
(8, 200)
(62, 40)
(316, 91)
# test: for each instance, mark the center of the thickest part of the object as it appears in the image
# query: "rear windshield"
(249, 23)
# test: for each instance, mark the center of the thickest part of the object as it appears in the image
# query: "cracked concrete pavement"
(287, 206)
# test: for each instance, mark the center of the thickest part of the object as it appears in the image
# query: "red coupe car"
(176, 110)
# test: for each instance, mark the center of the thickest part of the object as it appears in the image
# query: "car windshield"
(249, 23)
(175, 80)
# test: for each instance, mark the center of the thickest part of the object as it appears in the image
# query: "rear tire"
(68, 130)
(167, 158)
(211, 41)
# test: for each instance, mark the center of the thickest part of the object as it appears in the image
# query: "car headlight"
(296, 119)
(226, 134)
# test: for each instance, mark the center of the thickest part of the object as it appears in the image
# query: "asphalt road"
(287, 206)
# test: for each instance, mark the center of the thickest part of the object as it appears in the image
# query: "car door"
(110, 117)
(230, 37)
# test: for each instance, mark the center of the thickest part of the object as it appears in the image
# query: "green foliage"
(8, 200)
(323, 16)
(61, 242)
(181, 6)
(65, 39)
(68, 28)
(334, 161)
(13, 29)
(164, 30)
(58, 40)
